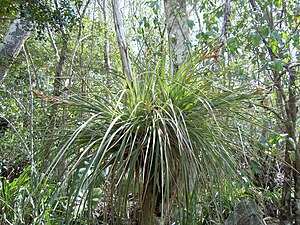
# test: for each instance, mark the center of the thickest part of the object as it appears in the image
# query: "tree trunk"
(291, 111)
(58, 80)
(150, 204)
(147, 209)
(297, 184)
(287, 107)
(12, 43)
(178, 31)
(285, 211)
(289, 211)
(126, 64)
(57, 86)
(226, 21)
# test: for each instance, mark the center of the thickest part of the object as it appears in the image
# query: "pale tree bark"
(126, 64)
(226, 21)
(178, 31)
(224, 32)
(12, 44)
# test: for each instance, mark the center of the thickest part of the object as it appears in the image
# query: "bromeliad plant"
(159, 140)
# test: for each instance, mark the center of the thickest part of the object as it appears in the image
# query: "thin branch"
(270, 110)
(78, 40)
(53, 43)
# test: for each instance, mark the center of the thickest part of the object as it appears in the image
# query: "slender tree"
(11, 46)
(284, 77)
(178, 31)
(127, 70)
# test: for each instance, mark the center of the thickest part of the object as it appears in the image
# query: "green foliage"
(165, 132)
(43, 13)
(8, 8)
(186, 130)
(26, 201)
(15, 199)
